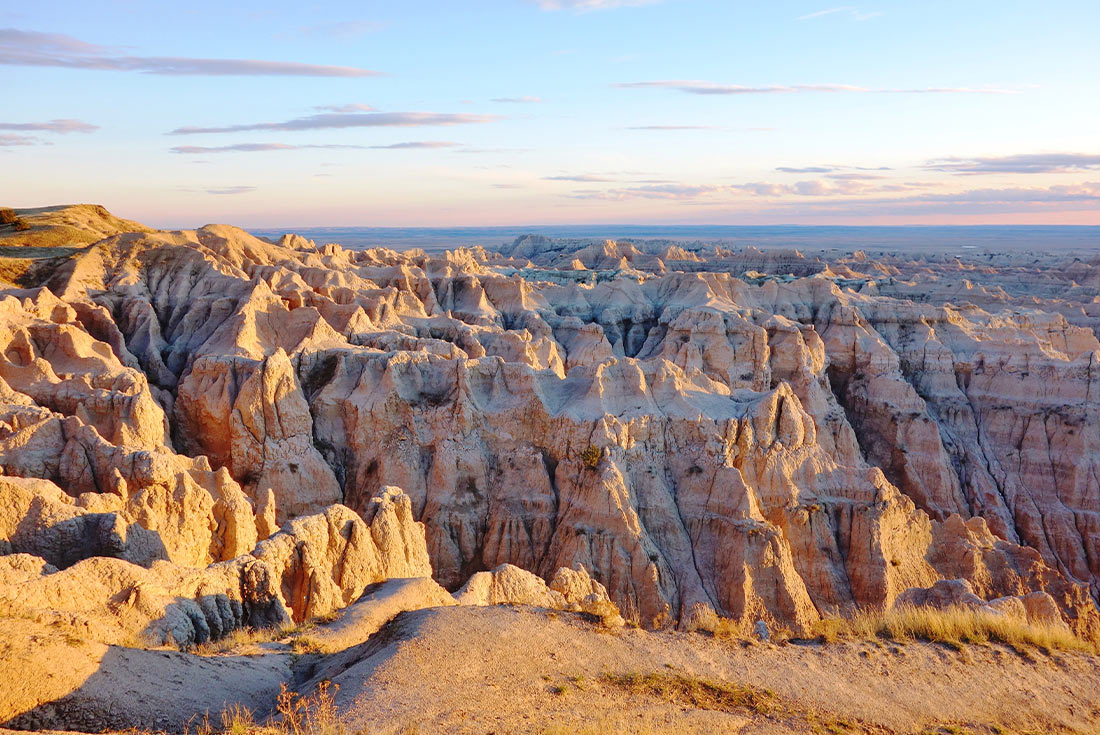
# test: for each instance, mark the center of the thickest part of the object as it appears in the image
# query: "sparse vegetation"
(297, 714)
(306, 644)
(954, 627)
(10, 218)
(591, 457)
(689, 691)
(705, 621)
(310, 715)
(683, 690)
(242, 637)
(300, 643)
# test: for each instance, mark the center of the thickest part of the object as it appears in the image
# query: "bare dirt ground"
(524, 670)
(505, 670)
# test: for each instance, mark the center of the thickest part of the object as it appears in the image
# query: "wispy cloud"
(11, 139)
(587, 5)
(590, 178)
(491, 150)
(673, 127)
(853, 176)
(347, 120)
(670, 191)
(262, 147)
(974, 201)
(415, 144)
(1089, 191)
(841, 187)
(32, 48)
(516, 100)
(829, 169)
(229, 190)
(353, 107)
(1024, 163)
(52, 126)
(858, 198)
(850, 11)
(254, 148)
(714, 88)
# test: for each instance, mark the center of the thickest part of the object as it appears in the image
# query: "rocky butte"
(205, 435)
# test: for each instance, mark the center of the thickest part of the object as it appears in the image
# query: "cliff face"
(693, 427)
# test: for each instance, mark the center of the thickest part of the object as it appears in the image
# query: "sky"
(509, 112)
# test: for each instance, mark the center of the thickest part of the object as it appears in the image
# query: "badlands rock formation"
(201, 429)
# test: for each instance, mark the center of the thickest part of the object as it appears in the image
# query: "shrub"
(9, 217)
(591, 457)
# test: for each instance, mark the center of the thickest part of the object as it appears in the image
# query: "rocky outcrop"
(769, 435)
(323, 562)
(315, 565)
(1037, 608)
(571, 589)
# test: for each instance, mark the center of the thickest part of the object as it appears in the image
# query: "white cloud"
(52, 126)
(31, 48)
(346, 120)
(11, 139)
(850, 11)
(1023, 163)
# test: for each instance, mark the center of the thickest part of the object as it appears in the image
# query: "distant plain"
(873, 238)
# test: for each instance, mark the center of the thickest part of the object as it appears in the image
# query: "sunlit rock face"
(776, 435)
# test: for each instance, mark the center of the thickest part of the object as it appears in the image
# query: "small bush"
(9, 217)
(591, 457)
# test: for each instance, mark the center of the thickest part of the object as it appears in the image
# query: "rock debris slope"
(201, 430)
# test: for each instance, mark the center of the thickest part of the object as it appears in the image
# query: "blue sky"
(575, 111)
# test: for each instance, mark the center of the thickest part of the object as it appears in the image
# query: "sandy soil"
(501, 669)
(522, 670)
(51, 679)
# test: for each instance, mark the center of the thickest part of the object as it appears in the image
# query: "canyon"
(204, 432)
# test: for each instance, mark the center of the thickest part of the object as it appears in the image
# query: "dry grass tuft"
(304, 644)
(311, 715)
(241, 637)
(300, 643)
(953, 627)
(297, 715)
(689, 691)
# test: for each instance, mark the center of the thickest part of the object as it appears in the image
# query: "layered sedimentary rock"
(766, 434)
(315, 565)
